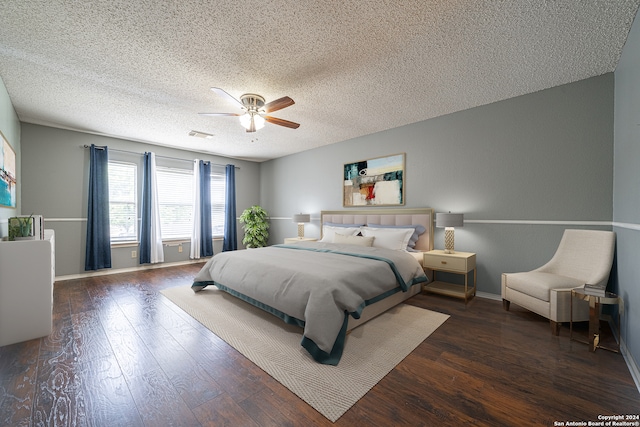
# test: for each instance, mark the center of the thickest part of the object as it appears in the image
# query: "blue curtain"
(145, 220)
(230, 232)
(98, 245)
(150, 232)
(206, 232)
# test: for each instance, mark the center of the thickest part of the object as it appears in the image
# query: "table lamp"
(301, 219)
(449, 221)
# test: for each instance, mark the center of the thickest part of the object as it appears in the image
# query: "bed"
(365, 263)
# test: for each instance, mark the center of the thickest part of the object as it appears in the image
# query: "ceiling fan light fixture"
(245, 121)
(254, 107)
(252, 121)
(259, 121)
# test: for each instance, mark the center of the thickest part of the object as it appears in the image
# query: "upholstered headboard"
(413, 216)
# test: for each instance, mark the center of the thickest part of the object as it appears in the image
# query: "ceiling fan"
(253, 117)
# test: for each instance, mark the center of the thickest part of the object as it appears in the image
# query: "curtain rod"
(163, 157)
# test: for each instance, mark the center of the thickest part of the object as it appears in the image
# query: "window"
(218, 197)
(123, 202)
(175, 199)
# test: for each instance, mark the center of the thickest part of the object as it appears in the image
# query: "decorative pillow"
(328, 231)
(418, 231)
(389, 238)
(353, 240)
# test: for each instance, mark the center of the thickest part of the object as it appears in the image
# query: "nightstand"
(289, 240)
(456, 263)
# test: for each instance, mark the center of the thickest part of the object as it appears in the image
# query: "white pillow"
(353, 240)
(389, 238)
(328, 231)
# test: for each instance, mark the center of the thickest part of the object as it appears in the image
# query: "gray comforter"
(315, 285)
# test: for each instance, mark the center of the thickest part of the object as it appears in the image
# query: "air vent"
(199, 134)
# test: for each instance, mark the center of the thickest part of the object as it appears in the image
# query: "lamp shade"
(259, 121)
(252, 121)
(299, 218)
(449, 219)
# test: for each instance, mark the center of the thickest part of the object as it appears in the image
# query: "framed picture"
(8, 174)
(374, 182)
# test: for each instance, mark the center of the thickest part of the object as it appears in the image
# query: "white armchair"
(583, 256)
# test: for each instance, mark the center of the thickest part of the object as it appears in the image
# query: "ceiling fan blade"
(281, 122)
(278, 104)
(221, 114)
(224, 94)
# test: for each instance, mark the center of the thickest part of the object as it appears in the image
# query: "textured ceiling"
(142, 69)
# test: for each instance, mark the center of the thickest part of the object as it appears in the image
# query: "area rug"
(371, 351)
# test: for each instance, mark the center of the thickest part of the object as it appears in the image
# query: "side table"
(457, 263)
(595, 301)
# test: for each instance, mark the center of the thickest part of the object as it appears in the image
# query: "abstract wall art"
(8, 175)
(374, 182)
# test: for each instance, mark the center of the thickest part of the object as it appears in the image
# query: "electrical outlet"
(179, 248)
(134, 254)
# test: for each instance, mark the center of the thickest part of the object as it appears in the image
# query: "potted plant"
(20, 228)
(255, 223)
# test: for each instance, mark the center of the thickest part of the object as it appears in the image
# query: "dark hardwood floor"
(121, 354)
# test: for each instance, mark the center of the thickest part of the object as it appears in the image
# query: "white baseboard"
(108, 271)
(631, 364)
(487, 295)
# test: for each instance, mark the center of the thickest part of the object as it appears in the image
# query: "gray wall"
(521, 170)
(626, 190)
(55, 172)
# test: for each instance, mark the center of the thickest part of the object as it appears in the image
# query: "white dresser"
(27, 273)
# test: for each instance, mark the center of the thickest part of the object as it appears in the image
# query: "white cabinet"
(26, 288)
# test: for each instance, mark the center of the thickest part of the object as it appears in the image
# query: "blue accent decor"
(145, 222)
(230, 231)
(198, 286)
(206, 233)
(98, 245)
(323, 357)
(283, 316)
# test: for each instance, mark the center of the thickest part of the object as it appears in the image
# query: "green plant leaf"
(255, 225)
